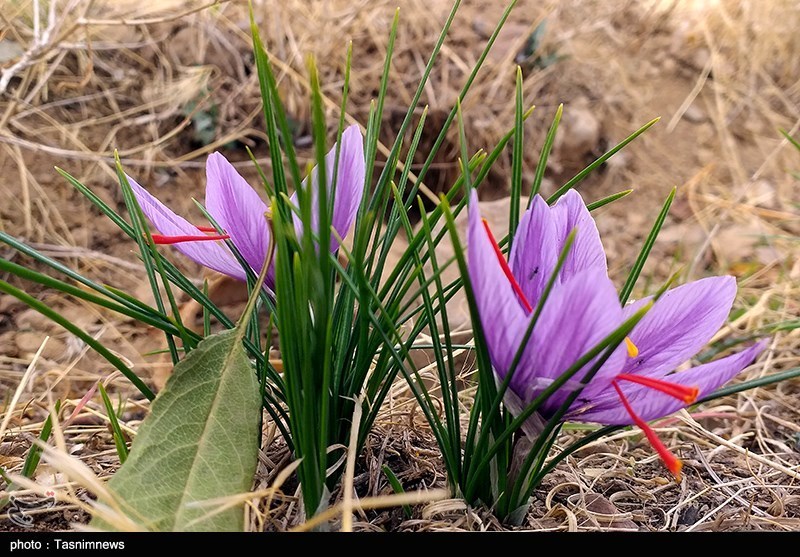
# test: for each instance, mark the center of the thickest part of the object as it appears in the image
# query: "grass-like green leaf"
(606, 200)
(638, 265)
(791, 139)
(35, 452)
(547, 146)
(116, 431)
(516, 162)
(144, 239)
(396, 486)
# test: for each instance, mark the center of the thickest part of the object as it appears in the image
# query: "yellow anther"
(633, 350)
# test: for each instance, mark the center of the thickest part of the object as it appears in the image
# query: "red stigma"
(207, 229)
(681, 392)
(506, 269)
(166, 240)
(672, 462)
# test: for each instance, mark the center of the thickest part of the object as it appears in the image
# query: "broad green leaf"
(200, 442)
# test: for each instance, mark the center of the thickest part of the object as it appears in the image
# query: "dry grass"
(84, 78)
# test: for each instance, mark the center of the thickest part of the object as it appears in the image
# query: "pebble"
(78, 315)
(7, 345)
(48, 477)
(738, 242)
(580, 129)
(28, 342)
(9, 51)
(685, 234)
(762, 194)
(669, 66)
(32, 319)
(9, 303)
(695, 114)
(83, 236)
(700, 58)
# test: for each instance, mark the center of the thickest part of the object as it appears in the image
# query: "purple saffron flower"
(240, 212)
(636, 384)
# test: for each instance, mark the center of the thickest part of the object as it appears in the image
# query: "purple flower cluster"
(240, 212)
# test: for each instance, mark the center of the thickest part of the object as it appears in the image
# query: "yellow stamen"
(633, 350)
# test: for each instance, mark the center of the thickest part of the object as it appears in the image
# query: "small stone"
(82, 236)
(9, 461)
(762, 194)
(599, 505)
(737, 243)
(668, 66)
(767, 255)
(650, 71)
(8, 346)
(689, 516)
(9, 303)
(705, 154)
(580, 130)
(225, 291)
(48, 477)
(636, 220)
(78, 315)
(681, 209)
(695, 114)
(507, 39)
(688, 235)
(620, 161)
(548, 186)
(28, 342)
(705, 134)
(9, 50)
(32, 319)
(794, 274)
(481, 28)
(700, 58)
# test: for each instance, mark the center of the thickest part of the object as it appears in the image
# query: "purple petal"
(241, 212)
(503, 319)
(680, 323)
(238, 210)
(587, 250)
(209, 254)
(349, 180)
(651, 405)
(350, 177)
(577, 315)
(535, 250)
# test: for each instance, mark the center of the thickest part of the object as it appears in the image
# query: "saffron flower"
(637, 383)
(241, 213)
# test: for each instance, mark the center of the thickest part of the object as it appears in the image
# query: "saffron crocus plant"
(241, 214)
(637, 382)
(345, 330)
